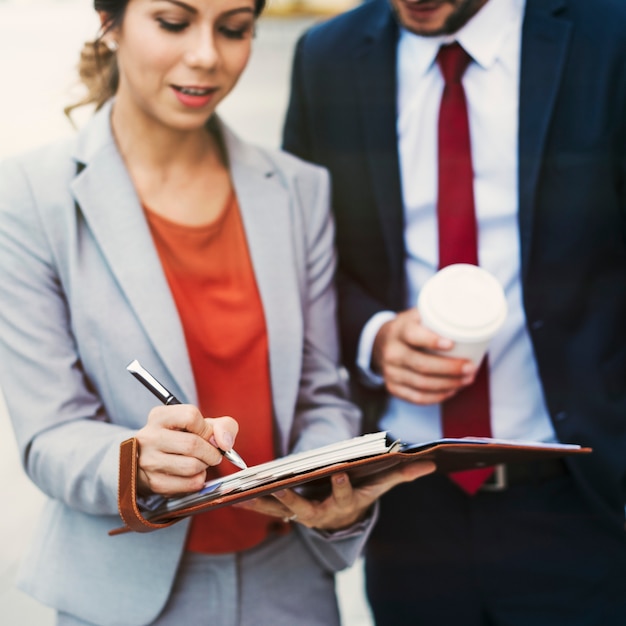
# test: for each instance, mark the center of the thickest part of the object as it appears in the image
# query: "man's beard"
(457, 19)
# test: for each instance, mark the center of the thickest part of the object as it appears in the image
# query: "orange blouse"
(212, 280)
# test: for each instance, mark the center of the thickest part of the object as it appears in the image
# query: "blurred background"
(41, 39)
(39, 45)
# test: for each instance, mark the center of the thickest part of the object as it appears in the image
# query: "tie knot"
(453, 62)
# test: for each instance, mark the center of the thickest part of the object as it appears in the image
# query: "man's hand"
(402, 355)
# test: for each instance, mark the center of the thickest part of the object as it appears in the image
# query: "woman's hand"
(402, 355)
(344, 507)
(176, 447)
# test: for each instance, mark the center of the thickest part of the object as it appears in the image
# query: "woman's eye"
(235, 33)
(172, 27)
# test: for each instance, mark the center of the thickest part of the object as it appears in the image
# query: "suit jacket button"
(536, 325)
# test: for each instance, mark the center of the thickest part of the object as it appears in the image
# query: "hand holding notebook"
(361, 457)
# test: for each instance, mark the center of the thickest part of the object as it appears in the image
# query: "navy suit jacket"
(572, 202)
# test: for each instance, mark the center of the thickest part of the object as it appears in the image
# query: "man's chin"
(435, 17)
(427, 19)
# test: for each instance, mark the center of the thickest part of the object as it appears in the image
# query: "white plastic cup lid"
(464, 303)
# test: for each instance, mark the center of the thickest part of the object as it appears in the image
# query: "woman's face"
(178, 59)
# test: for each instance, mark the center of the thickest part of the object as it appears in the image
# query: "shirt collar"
(483, 37)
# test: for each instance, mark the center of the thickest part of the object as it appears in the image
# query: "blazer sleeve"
(316, 130)
(323, 411)
(67, 444)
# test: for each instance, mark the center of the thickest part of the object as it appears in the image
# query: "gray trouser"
(279, 583)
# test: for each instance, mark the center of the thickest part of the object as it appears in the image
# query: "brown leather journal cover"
(448, 456)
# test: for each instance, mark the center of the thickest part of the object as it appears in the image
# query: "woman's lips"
(194, 97)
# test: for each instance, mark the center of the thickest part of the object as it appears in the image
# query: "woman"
(157, 234)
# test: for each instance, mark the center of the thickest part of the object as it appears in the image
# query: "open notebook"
(361, 457)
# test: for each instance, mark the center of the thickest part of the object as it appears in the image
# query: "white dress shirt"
(493, 40)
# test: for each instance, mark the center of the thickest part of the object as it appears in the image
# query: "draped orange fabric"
(210, 274)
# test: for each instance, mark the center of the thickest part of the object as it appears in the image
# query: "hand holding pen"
(169, 399)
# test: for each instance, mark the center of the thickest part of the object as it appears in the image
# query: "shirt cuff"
(366, 343)
(355, 530)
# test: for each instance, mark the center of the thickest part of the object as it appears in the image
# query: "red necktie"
(466, 413)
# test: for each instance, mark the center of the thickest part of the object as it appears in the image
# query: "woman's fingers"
(181, 453)
(169, 484)
(344, 507)
(223, 431)
(177, 445)
(406, 473)
(266, 505)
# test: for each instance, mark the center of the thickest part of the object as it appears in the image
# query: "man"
(543, 96)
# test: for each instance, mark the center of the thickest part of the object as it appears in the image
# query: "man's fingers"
(427, 382)
(418, 396)
(415, 335)
(420, 362)
(407, 328)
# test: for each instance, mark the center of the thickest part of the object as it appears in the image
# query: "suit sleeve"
(356, 304)
(67, 445)
(623, 174)
(296, 138)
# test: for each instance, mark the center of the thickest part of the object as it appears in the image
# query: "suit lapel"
(265, 210)
(375, 72)
(545, 39)
(106, 197)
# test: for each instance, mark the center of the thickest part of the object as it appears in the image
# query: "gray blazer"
(82, 293)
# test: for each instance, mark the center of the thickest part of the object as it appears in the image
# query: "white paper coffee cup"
(466, 304)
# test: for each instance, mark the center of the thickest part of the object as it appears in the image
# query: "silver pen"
(167, 398)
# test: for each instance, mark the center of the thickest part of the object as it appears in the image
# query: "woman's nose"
(202, 51)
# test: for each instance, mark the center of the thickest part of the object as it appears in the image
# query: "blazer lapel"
(105, 195)
(265, 208)
(545, 39)
(375, 72)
